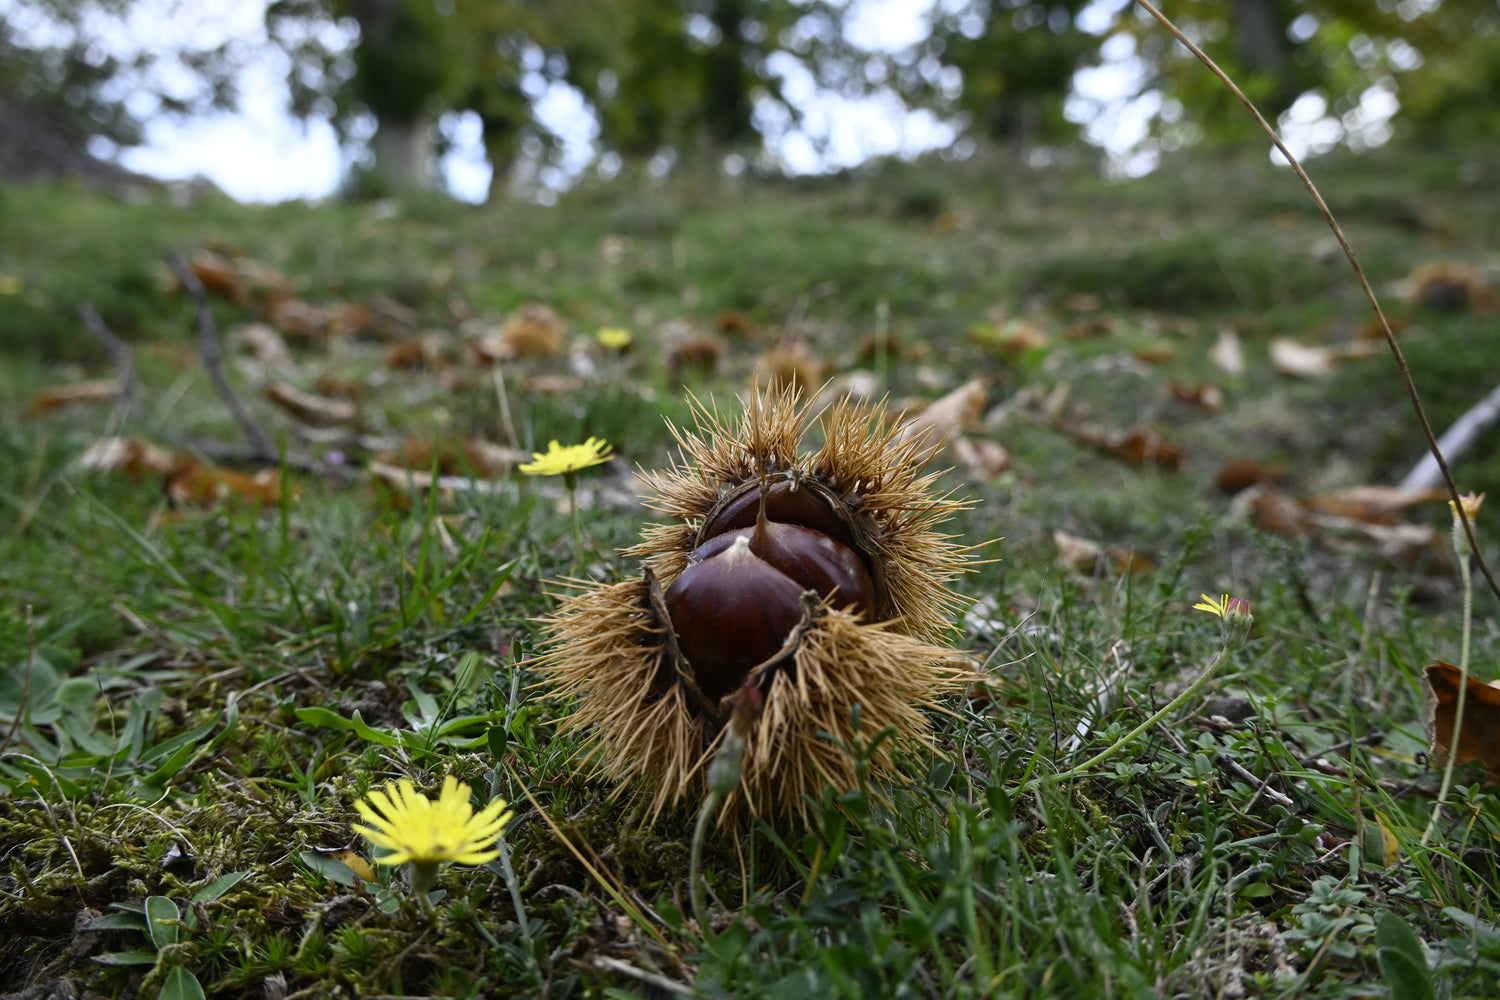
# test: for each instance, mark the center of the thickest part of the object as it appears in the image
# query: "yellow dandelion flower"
(1234, 614)
(613, 337)
(561, 461)
(1213, 607)
(413, 828)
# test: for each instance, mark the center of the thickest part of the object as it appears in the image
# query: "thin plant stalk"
(1458, 708)
(515, 890)
(570, 479)
(1130, 737)
(695, 865)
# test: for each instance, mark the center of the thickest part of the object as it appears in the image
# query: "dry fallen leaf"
(1155, 354)
(218, 276)
(102, 390)
(396, 483)
(1270, 510)
(696, 353)
(792, 364)
(1291, 357)
(1012, 338)
(1375, 504)
(429, 350)
(484, 459)
(532, 331)
(983, 458)
(1137, 446)
(1205, 395)
(134, 457)
(1227, 354)
(312, 410)
(1445, 286)
(948, 416)
(1083, 556)
(192, 482)
(1479, 735)
(1302, 360)
(266, 345)
(1242, 473)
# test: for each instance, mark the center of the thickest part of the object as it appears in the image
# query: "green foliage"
(192, 700)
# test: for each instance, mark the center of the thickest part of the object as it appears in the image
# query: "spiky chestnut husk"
(614, 647)
(872, 479)
(656, 730)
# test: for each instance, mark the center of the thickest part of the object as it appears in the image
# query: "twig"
(641, 975)
(221, 452)
(1373, 737)
(213, 358)
(1359, 273)
(1455, 441)
(119, 351)
(1237, 769)
(506, 423)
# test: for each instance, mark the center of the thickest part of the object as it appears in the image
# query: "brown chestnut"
(803, 505)
(810, 558)
(731, 612)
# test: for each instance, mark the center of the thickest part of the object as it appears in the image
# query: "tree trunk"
(1260, 37)
(404, 152)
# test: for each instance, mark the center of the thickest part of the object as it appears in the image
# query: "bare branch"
(120, 352)
(213, 360)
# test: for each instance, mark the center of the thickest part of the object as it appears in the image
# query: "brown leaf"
(1271, 510)
(102, 390)
(1479, 734)
(1155, 354)
(983, 458)
(697, 353)
(1242, 473)
(454, 458)
(1012, 337)
(192, 482)
(429, 350)
(395, 483)
(1445, 286)
(734, 323)
(1375, 504)
(266, 345)
(1138, 446)
(793, 364)
(532, 331)
(948, 416)
(312, 410)
(1205, 395)
(219, 276)
(1084, 556)
(136, 458)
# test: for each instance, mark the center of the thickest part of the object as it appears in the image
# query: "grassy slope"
(1164, 872)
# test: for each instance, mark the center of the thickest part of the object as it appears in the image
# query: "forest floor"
(228, 613)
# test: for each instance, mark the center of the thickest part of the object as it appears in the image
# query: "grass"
(179, 685)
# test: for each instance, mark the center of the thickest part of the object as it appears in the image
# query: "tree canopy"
(708, 77)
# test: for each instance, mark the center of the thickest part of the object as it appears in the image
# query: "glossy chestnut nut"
(810, 558)
(805, 506)
(731, 612)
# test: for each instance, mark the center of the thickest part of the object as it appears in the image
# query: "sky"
(260, 153)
